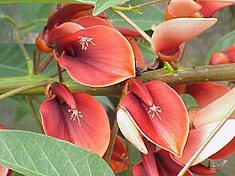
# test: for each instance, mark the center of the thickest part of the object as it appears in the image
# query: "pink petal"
(129, 130)
(226, 151)
(209, 8)
(105, 60)
(185, 8)
(58, 31)
(198, 136)
(212, 90)
(215, 111)
(90, 130)
(169, 35)
(160, 127)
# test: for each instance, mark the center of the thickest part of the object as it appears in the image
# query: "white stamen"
(75, 115)
(154, 110)
(84, 41)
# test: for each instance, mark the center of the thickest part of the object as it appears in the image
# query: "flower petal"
(159, 125)
(209, 8)
(129, 130)
(226, 151)
(166, 166)
(89, 21)
(185, 8)
(139, 169)
(169, 35)
(109, 57)
(199, 135)
(212, 90)
(215, 111)
(89, 130)
(202, 170)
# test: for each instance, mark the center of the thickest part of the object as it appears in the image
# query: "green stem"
(184, 75)
(135, 8)
(112, 141)
(21, 89)
(205, 143)
(34, 111)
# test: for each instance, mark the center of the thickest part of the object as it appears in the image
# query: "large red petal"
(139, 170)
(212, 91)
(169, 128)
(107, 60)
(199, 135)
(90, 130)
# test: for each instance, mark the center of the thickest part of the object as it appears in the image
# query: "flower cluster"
(95, 53)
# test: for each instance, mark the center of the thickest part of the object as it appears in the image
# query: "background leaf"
(150, 15)
(35, 154)
(189, 101)
(102, 5)
(222, 44)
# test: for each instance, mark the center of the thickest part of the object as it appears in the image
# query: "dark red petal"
(65, 13)
(119, 158)
(202, 170)
(166, 166)
(90, 130)
(4, 171)
(169, 128)
(89, 21)
(226, 151)
(128, 32)
(107, 60)
(139, 170)
(141, 91)
(63, 94)
(139, 58)
(206, 93)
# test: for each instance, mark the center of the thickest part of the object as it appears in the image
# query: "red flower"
(170, 36)
(119, 157)
(75, 117)
(158, 113)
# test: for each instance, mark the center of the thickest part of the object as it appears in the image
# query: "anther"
(75, 115)
(154, 110)
(84, 41)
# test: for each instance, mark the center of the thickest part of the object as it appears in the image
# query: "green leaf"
(150, 15)
(102, 5)
(38, 155)
(105, 101)
(189, 101)
(222, 44)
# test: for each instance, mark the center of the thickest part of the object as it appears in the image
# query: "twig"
(21, 89)
(135, 26)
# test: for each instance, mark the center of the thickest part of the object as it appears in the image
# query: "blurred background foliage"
(15, 112)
